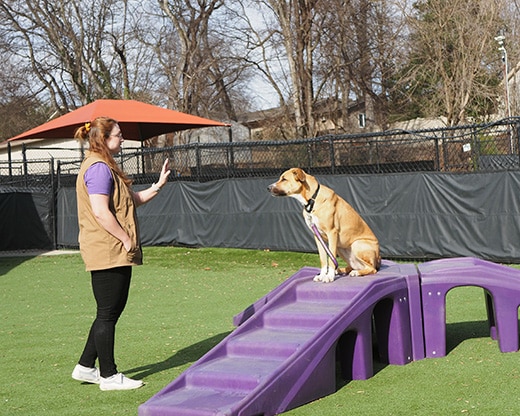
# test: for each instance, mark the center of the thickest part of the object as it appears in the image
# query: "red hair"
(96, 132)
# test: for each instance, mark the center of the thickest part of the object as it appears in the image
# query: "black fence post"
(445, 155)
(58, 174)
(24, 162)
(231, 155)
(332, 156)
(516, 129)
(475, 150)
(9, 158)
(54, 200)
(142, 158)
(437, 154)
(378, 159)
(309, 156)
(24, 158)
(198, 161)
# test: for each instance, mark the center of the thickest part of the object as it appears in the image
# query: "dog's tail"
(378, 262)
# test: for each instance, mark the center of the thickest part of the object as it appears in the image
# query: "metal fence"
(472, 148)
(35, 175)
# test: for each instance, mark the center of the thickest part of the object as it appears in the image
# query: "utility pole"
(500, 40)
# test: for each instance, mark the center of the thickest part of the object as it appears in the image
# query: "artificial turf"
(181, 304)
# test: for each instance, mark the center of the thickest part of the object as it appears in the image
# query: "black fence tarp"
(414, 215)
(26, 221)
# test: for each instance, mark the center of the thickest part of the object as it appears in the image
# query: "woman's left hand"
(165, 172)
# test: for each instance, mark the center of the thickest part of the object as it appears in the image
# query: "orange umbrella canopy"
(137, 120)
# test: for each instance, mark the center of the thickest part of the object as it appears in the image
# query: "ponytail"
(96, 132)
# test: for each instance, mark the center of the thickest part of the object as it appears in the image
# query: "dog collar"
(310, 202)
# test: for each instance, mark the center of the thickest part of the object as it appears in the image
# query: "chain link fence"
(36, 175)
(472, 148)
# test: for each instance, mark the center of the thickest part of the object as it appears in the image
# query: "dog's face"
(291, 183)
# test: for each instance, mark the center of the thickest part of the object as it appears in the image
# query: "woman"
(109, 245)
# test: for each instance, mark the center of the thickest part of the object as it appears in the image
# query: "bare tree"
(357, 56)
(78, 50)
(326, 54)
(280, 49)
(299, 35)
(200, 60)
(509, 53)
(436, 58)
(20, 108)
(453, 69)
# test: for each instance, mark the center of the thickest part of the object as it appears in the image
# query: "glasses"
(119, 135)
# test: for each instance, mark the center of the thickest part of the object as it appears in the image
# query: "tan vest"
(99, 249)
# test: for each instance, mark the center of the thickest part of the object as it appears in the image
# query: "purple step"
(193, 402)
(303, 275)
(232, 373)
(302, 315)
(268, 343)
(309, 291)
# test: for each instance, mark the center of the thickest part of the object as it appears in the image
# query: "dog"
(338, 224)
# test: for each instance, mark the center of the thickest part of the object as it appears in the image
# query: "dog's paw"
(328, 278)
(317, 278)
(325, 276)
(354, 273)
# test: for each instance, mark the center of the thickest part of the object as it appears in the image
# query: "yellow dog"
(338, 224)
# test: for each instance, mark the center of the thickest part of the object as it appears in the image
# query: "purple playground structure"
(288, 345)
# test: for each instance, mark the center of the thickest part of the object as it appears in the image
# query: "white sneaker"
(86, 374)
(119, 382)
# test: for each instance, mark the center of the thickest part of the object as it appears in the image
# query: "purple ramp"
(284, 352)
(501, 285)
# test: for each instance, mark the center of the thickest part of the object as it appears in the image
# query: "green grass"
(181, 304)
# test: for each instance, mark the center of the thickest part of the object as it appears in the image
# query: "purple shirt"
(98, 179)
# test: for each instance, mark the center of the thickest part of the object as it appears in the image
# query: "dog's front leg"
(332, 237)
(328, 268)
(323, 276)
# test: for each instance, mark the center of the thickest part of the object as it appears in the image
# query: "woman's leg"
(110, 289)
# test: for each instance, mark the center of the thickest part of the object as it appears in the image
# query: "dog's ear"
(299, 175)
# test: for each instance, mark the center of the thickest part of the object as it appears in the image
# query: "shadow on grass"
(182, 357)
(10, 261)
(378, 366)
(458, 332)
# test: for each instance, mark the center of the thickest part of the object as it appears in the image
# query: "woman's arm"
(142, 197)
(105, 218)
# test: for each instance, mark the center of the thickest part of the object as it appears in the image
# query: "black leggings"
(110, 289)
